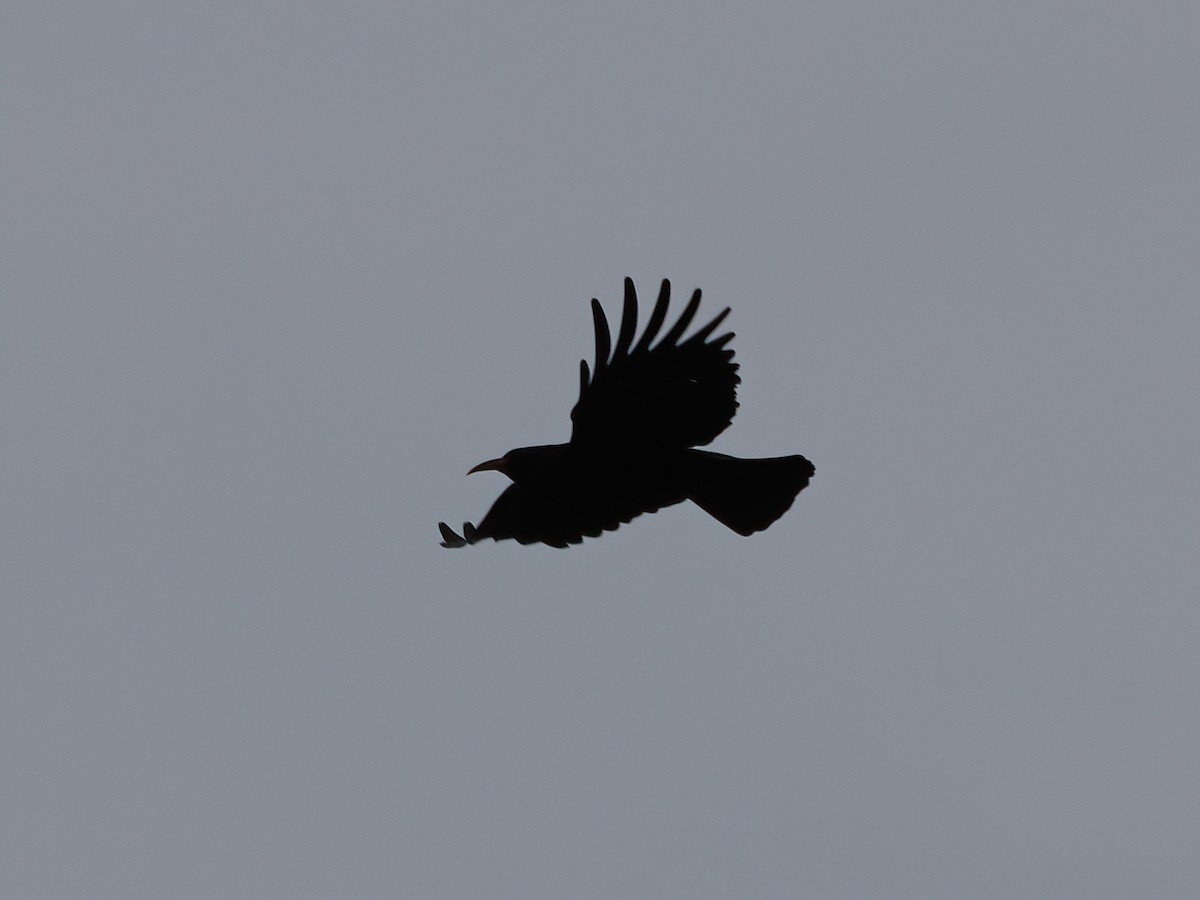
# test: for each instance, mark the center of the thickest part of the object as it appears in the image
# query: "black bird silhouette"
(634, 429)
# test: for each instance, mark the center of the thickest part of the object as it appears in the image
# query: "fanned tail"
(746, 495)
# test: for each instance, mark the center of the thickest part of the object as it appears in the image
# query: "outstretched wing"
(674, 394)
(531, 517)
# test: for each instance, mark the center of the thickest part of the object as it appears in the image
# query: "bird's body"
(633, 445)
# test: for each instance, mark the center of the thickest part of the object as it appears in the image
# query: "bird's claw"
(449, 538)
(452, 540)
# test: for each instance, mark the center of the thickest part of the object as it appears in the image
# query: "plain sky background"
(276, 274)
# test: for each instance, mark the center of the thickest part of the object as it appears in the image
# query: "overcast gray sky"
(275, 275)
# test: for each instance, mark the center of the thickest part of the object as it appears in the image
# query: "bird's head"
(524, 463)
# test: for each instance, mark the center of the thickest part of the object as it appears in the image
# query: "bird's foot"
(452, 540)
(449, 538)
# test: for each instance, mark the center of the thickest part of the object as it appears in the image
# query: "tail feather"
(746, 495)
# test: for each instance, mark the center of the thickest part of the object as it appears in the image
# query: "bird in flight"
(640, 416)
